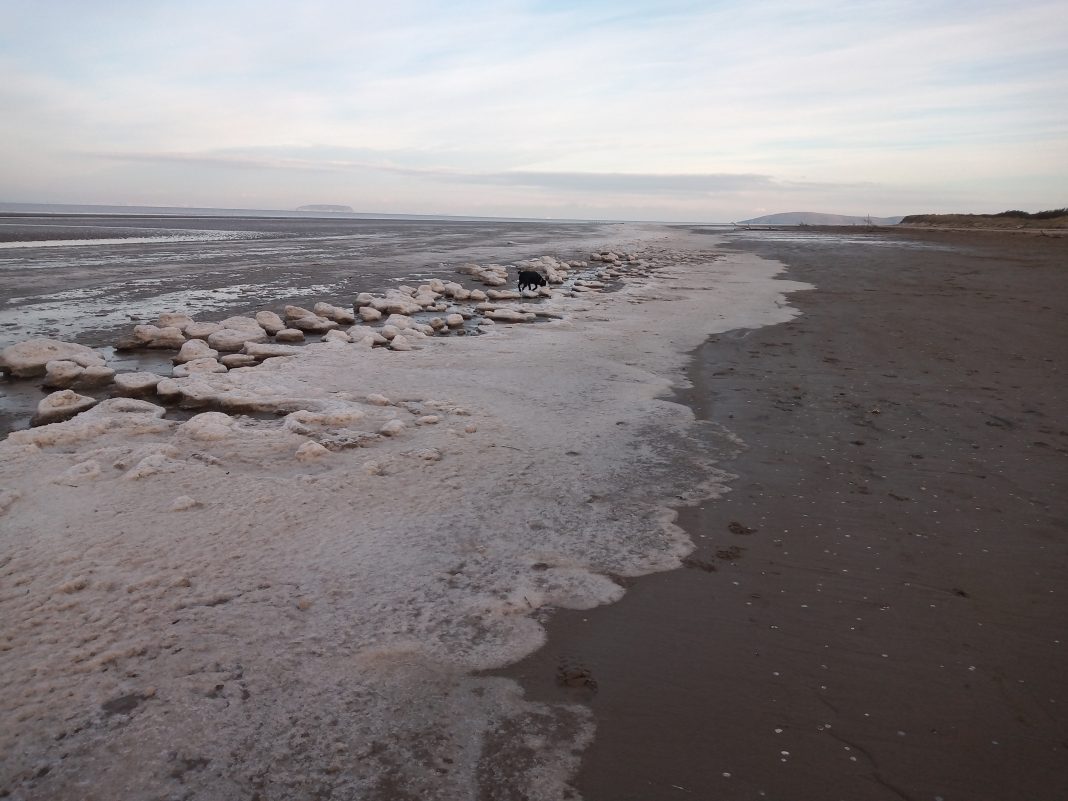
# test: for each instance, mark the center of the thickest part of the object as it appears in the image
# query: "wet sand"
(128, 268)
(879, 607)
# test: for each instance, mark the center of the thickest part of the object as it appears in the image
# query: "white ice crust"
(293, 603)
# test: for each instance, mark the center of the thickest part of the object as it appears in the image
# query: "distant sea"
(190, 211)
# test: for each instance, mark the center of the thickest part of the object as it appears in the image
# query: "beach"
(768, 515)
(298, 590)
(877, 608)
(88, 276)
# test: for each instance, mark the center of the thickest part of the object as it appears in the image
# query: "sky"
(603, 109)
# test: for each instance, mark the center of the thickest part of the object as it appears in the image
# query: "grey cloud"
(611, 182)
(637, 183)
(228, 160)
(625, 182)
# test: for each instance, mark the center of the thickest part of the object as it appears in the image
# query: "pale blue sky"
(630, 110)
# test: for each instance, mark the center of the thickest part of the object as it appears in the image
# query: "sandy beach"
(877, 609)
(534, 401)
(779, 516)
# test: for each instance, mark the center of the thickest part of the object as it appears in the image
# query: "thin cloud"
(643, 183)
(571, 181)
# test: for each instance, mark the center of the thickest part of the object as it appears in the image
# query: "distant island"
(815, 218)
(1051, 218)
(331, 207)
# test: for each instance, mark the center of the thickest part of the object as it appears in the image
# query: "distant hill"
(326, 207)
(815, 218)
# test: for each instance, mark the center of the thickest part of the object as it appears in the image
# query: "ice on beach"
(320, 561)
(79, 310)
(32, 356)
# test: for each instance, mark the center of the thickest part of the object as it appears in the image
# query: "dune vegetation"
(1051, 218)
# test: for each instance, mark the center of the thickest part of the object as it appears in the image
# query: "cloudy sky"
(620, 109)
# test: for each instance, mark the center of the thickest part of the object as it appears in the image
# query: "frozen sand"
(220, 608)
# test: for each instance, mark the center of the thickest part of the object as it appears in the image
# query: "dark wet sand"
(888, 618)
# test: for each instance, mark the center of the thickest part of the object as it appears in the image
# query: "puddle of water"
(19, 396)
(19, 399)
(139, 361)
(18, 402)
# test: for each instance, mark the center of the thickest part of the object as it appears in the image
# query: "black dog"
(530, 280)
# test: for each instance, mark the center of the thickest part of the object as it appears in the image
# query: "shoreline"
(300, 580)
(100, 301)
(850, 627)
(90, 291)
